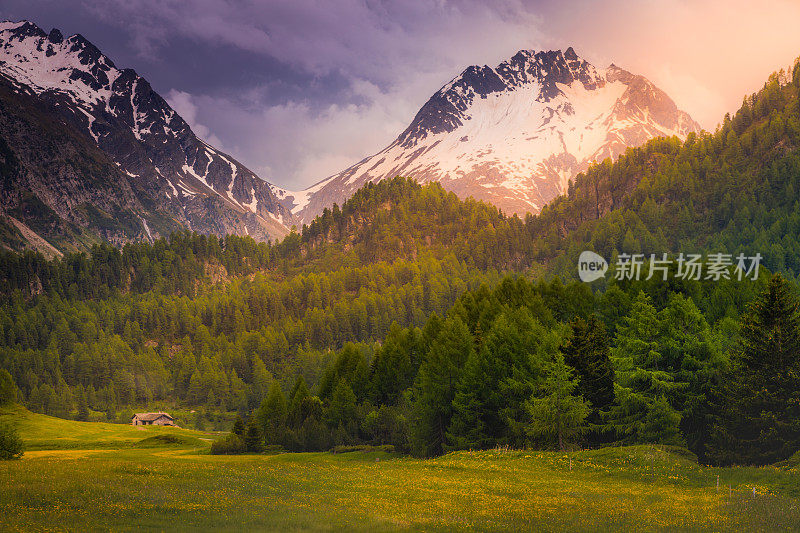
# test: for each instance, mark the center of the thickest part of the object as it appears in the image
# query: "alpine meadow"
(410, 343)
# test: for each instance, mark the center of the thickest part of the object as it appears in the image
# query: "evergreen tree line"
(551, 366)
(731, 191)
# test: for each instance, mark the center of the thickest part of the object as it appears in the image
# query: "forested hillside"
(200, 321)
(411, 318)
(391, 220)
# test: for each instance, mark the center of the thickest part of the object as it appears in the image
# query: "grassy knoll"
(164, 484)
(41, 432)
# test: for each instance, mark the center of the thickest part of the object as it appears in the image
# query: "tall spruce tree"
(271, 414)
(350, 365)
(687, 349)
(498, 379)
(341, 414)
(252, 437)
(8, 390)
(435, 386)
(641, 377)
(587, 351)
(393, 368)
(297, 400)
(661, 424)
(341, 410)
(758, 418)
(238, 428)
(558, 414)
(692, 354)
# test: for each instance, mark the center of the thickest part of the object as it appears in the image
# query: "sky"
(298, 90)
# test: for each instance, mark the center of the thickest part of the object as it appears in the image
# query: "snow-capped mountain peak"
(204, 188)
(517, 133)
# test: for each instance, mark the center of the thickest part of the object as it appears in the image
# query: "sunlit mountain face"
(514, 135)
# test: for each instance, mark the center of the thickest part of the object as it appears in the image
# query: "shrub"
(228, 445)
(11, 446)
(388, 448)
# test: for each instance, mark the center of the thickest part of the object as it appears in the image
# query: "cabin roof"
(150, 416)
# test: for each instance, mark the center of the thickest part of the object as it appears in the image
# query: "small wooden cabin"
(152, 419)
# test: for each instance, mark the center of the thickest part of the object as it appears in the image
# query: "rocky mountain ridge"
(171, 179)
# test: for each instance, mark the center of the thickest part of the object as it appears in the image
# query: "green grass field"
(93, 476)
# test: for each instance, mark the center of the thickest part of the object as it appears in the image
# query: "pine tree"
(660, 425)
(758, 420)
(8, 390)
(238, 427)
(558, 414)
(498, 378)
(692, 356)
(252, 437)
(11, 446)
(435, 386)
(261, 382)
(271, 414)
(297, 400)
(587, 351)
(641, 378)
(83, 407)
(342, 408)
(688, 352)
(392, 369)
(350, 365)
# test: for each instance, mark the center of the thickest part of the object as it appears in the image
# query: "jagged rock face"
(516, 134)
(56, 182)
(168, 169)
